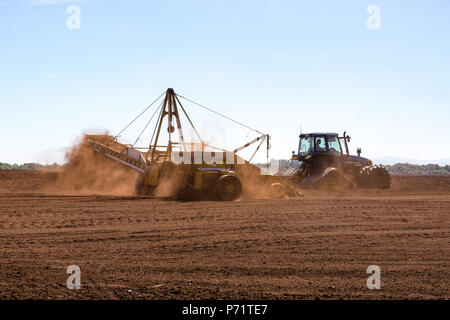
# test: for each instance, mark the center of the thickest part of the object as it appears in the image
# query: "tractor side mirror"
(358, 151)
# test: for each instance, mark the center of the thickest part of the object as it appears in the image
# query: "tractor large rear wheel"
(228, 188)
(374, 177)
(381, 178)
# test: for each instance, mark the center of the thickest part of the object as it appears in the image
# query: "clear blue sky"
(274, 65)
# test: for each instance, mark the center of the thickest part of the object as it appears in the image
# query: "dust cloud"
(168, 187)
(87, 172)
(254, 185)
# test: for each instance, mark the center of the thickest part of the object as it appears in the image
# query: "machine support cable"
(222, 115)
(153, 115)
(138, 116)
(117, 135)
(257, 148)
(189, 119)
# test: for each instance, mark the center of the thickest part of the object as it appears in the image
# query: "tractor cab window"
(306, 146)
(333, 145)
(320, 144)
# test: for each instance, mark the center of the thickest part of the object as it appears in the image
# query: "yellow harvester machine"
(196, 169)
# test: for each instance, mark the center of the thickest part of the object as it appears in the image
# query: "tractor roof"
(320, 134)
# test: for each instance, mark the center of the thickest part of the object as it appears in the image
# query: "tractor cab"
(320, 150)
(312, 144)
(329, 146)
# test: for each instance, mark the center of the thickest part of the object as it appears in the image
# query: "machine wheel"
(277, 190)
(228, 188)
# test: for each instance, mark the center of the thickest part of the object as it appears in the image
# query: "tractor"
(326, 163)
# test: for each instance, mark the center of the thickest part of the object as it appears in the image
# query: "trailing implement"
(186, 170)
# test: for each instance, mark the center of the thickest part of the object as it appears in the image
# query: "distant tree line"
(414, 169)
(28, 166)
(399, 168)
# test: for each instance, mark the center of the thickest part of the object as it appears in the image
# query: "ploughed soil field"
(314, 247)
